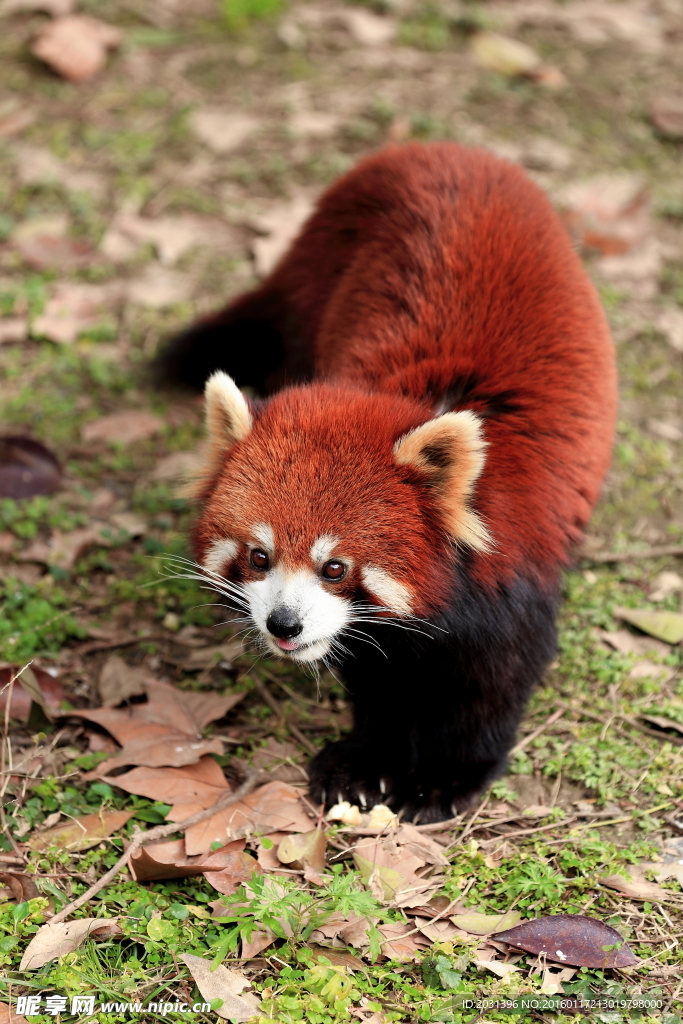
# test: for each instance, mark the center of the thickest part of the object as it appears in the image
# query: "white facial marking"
(323, 547)
(386, 589)
(220, 552)
(322, 615)
(263, 533)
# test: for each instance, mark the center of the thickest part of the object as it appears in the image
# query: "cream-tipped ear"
(227, 414)
(228, 420)
(450, 451)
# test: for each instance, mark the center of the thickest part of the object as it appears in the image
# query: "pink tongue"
(287, 645)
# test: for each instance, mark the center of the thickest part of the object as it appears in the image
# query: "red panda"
(440, 402)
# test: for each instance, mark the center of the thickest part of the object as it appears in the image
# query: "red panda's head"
(327, 505)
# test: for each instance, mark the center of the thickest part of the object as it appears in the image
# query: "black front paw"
(347, 770)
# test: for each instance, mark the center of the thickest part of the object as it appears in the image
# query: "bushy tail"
(246, 340)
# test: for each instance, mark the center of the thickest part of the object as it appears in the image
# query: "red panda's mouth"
(286, 645)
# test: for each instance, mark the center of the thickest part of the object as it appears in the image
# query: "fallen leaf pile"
(164, 731)
(275, 830)
(274, 807)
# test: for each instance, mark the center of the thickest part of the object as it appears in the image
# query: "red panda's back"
(443, 272)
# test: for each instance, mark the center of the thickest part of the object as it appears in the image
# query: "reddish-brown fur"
(427, 266)
(430, 279)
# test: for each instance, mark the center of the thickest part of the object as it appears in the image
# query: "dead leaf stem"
(252, 780)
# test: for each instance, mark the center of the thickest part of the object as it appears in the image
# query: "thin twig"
(253, 779)
(541, 828)
(537, 732)
(276, 708)
(657, 551)
(5, 740)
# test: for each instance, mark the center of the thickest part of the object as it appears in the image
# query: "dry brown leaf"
(172, 237)
(267, 852)
(664, 625)
(222, 131)
(81, 833)
(49, 693)
(37, 166)
(628, 643)
(486, 924)
(157, 287)
(55, 940)
(666, 114)
(164, 732)
(119, 681)
(76, 46)
(367, 28)
(224, 984)
(388, 870)
(259, 941)
(591, 22)
(399, 944)
(504, 55)
(13, 329)
(665, 584)
(27, 468)
(8, 1016)
(64, 549)
(165, 858)
(22, 886)
(610, 213)
(56, 8)
(305, 850)
(235, 867)
(178, 466)
(439, 931)
(338, 957)
(281, 224)
(123, 427)
(275, 807)
(635, 885)
(497, 967)
(572, 939)
(190, 789)
(194, 784)
(45, 242)
(420, 844)
(72, 309)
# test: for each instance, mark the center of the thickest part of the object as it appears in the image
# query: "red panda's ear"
(450, 452)
(228, 420)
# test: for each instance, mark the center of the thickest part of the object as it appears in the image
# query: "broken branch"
(160, 832)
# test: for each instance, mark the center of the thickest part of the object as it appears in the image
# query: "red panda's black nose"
(284, 623)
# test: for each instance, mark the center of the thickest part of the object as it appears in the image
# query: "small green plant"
(293, 913)
(237, 14)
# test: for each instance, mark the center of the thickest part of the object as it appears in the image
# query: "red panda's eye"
(334, 570)
(259, 559)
